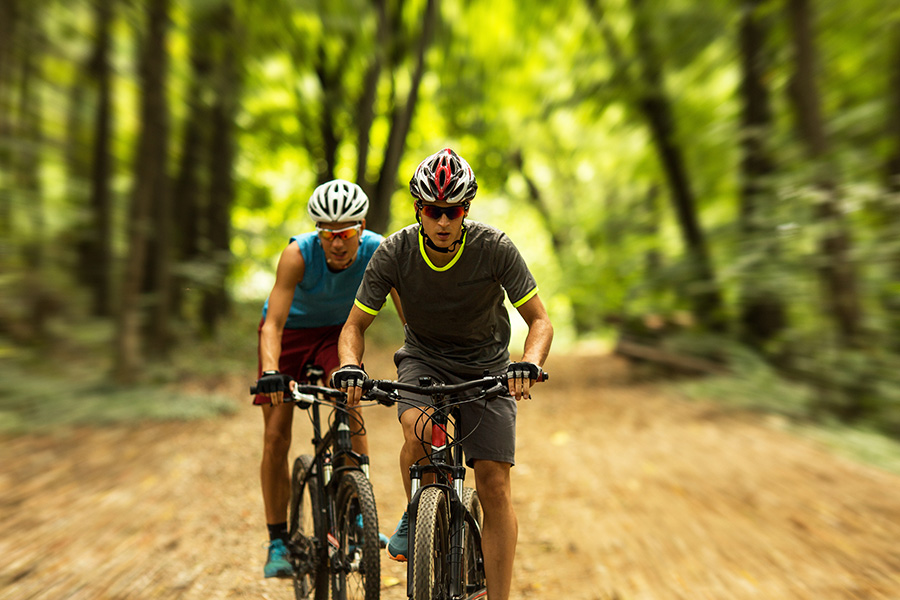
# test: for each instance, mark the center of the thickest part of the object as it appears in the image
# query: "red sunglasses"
(436, 212)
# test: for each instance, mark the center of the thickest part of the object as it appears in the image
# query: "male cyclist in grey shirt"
(451, 276)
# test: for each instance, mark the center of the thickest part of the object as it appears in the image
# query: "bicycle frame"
(333, 456)
(450, 478)
(448, 466)
(333, 520)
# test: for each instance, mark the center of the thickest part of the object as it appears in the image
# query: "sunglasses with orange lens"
(345, 234)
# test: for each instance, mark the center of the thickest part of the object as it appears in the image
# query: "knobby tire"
(305, 525)
(431, 571)
(356, 565)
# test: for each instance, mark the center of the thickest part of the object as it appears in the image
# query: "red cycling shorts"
(316, 345)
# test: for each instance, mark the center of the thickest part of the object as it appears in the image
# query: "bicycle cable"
(424, 417)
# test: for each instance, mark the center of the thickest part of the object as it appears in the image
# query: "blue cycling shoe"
(398, 546)
(382, 539)
(277, 564)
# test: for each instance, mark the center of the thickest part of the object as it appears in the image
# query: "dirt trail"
(622, 492)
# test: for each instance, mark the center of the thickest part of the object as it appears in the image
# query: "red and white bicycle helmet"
(338, 201)
(443, 177)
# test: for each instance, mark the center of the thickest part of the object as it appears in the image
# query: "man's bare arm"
(540, 331)
(352, 346)
(537, 343)
(290, 272)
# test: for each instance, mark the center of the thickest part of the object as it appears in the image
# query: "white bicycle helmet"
(338, 201)
(443, 177)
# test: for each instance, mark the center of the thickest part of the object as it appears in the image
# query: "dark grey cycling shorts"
(489, 428)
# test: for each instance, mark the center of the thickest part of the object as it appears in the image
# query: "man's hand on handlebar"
(273, 385)
(520, 377)
(350, 379)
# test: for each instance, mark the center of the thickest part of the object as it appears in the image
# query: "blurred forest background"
(711, 185)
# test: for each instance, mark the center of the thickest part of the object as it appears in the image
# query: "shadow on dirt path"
(622, 492)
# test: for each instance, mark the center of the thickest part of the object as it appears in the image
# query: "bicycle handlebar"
(306, 394)
(330, 393)
(383, 390)
(492, 386)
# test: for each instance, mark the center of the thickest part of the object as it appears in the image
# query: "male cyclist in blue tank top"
(315, 284)
(452, 276)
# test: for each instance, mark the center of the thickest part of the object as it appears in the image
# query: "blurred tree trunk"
(221, 155)
(762, 310)
(96, 252)
(837, 271)
(653, 259)
(892, 167)
(380, 206)
(655, 105)
(149, 187)
(160, 250)
(535, 197)
(77, 154)
(9, 24)
(191, 185)
(331, 82)
(365, 111)
(30, 141)
(891, 211)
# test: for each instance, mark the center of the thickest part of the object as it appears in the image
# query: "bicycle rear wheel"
(356, 564)
(306, 523)
(473, 559)
(431, 550)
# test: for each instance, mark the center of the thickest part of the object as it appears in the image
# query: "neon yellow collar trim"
(462, 246)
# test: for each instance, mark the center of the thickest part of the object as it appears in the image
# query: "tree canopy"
(690, 176)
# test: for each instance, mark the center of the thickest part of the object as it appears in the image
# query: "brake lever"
(302, 400)
(381, 396)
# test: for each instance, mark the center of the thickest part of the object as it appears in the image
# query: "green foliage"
(827, 386)
(32, 401)
(754, 384)
(757, 386)
(859, 443)
(556, 84)
(66, 383)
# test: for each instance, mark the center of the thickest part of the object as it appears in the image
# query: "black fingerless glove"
(348, 376)
(518, 370)
(272, 382)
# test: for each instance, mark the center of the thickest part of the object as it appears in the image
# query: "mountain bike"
(333, 523)
(446, 559)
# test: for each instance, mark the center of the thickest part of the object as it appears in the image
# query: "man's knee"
(277, 442)
(416, 427)
(493, 483)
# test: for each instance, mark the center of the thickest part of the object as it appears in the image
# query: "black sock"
(278, 531)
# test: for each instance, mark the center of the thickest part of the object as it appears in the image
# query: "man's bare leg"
(501, 530)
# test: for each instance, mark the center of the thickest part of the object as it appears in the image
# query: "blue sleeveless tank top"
(323, 297)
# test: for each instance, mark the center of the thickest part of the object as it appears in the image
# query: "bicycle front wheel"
(306, 525)
(356, 563)
(431, 550)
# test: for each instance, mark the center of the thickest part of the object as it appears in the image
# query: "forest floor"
(623, 491)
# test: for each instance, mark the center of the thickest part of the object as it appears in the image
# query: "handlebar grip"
(253, 391)
(544, 376)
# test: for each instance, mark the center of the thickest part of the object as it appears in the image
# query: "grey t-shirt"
(455, 316)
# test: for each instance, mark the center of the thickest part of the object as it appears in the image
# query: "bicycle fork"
(449, 476)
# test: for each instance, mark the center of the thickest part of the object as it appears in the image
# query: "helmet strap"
(431, 244)
(435, 247)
